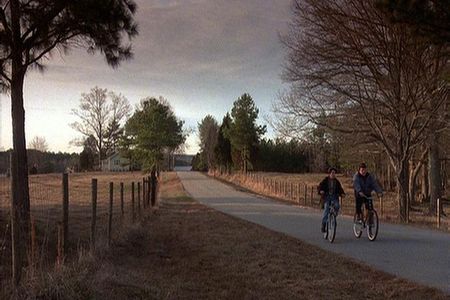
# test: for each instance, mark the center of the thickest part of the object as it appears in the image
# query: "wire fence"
(301, 189)
(63, 223)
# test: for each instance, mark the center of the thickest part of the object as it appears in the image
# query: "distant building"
(182, 162)
(116, 163)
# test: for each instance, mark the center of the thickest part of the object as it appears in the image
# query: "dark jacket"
(366, 184)
(338, 190)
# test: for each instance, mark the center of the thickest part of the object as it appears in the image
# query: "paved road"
(419, 255)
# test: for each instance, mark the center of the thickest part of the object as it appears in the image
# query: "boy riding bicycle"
(330, 189)
(364, 184)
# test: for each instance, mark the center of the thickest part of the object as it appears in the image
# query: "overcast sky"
(201, 55)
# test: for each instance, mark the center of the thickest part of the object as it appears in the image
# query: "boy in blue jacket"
(364, 184)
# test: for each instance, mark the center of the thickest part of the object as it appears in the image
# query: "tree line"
(238, 144)
(147, 137)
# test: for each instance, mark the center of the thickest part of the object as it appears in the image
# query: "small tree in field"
(30, 30)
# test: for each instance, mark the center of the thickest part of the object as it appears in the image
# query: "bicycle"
(371, 225)
(330, 226)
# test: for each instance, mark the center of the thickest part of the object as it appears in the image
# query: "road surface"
(416, 254)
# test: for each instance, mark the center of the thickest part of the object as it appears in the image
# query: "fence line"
(305, 194)
(69, 213)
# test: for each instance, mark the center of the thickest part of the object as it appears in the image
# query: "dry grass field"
(46, 211)
(291, 188)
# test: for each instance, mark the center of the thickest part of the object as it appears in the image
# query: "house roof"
(112, 156)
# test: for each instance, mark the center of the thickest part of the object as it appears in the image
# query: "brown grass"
(46, 210)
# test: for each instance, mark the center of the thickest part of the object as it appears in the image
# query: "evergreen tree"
(223, 147)
(151, 130)
(244, 133)
(208, 133)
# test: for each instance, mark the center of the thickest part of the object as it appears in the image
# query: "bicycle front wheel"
(372, 227)
(331, 227)
(357, 226)
(325, 234)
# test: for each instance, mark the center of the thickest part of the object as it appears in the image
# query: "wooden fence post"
(33, 255)
(60, 247)
(153, 185)
(306, 192)
(139, 197)
(149, 190)
(381, 206)
(292, 191)
(438, 212)
(110, 212)
(298, 193)
(122, 212)
(94, 212)
(133, 213)
(144, 200)
(65, 216)
(18, 242)
(271, 186)
(312, 195)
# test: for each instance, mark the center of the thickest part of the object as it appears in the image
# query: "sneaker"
(323, 228)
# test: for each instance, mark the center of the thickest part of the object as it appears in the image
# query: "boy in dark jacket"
(330, 189)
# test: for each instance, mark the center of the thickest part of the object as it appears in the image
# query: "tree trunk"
(434, 172)
(20, 199)
(414, 172)
(389, 177)
(100, 149)
(412, 181)
(402, 190)
(425, 183)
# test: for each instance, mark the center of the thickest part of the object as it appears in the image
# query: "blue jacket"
(366, 184)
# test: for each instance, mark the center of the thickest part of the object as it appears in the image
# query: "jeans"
(328, 200)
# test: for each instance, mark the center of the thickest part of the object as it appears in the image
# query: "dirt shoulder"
(192, 252)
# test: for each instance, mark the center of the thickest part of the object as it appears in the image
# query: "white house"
(116, 163)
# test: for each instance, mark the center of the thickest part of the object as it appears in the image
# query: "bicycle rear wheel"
(372, 227)
(331, 227)
(357, 226)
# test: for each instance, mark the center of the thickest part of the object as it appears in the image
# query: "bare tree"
(352, 71)
(100, 118)
(120, 111)
(38, 143)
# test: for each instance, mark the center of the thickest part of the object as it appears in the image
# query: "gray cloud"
(200, 54)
